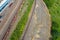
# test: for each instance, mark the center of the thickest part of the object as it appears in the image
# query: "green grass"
(21, 24)
(54, 8)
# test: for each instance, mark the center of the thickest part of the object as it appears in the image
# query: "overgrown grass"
(21, 24)
(54, 8)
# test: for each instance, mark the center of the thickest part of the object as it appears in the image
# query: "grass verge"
(54, 8)
(21, 24)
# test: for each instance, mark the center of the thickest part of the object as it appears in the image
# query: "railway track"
(29, 20)
(8, 30)
(11, 24)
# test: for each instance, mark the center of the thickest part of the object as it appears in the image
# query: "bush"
(54, 9)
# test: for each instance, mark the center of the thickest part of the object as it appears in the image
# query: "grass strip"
(21, 24)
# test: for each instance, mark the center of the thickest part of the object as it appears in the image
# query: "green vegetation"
(54, 8)
(21, 24)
